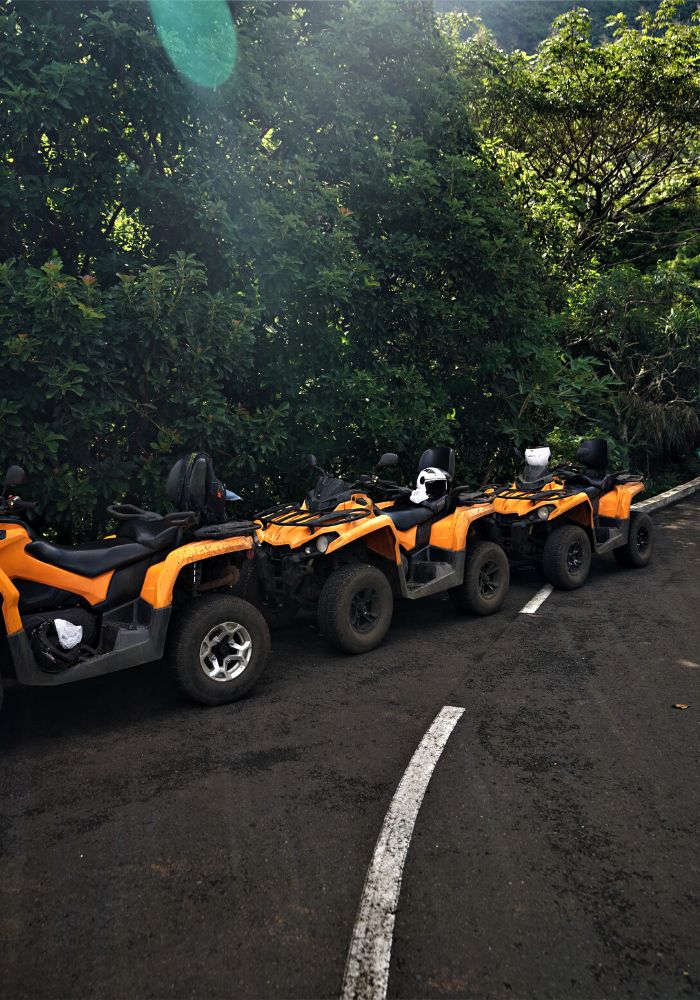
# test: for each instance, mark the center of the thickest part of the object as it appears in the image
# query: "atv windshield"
(535, 473)
(328, 493)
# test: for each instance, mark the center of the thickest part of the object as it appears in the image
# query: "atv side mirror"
(15, 476)
(389, 458)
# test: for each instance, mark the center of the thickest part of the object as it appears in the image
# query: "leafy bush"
(646, 327)
(100, 389)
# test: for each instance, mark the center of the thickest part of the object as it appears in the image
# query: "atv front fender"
(160, 579)
(575, 508)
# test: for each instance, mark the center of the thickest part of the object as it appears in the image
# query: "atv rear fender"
(617, 502)
(452, 532)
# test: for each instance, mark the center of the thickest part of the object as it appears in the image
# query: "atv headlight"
(322, 543)
(544, 511)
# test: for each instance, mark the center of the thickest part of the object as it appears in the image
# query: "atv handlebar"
(567, 474)
(385, 485)
(181, 519)
(18, 504)
(564, 471)
(129, 512)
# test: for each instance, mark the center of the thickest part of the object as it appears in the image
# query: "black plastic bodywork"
(141, 640)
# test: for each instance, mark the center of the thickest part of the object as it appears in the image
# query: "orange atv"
(159, 584)
(558, 517)
(350, 548)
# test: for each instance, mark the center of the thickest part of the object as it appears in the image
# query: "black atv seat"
(92, 559)
(593, 484)
(441, 457)
(593, 455)
(408, 517)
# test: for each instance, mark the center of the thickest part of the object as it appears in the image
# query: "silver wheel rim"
(225, 651)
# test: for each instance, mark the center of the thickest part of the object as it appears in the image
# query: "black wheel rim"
(574, 557)
(489, 579)
(364, 610)
(643, 538)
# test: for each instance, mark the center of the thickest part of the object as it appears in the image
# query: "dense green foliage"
(349, 247)
(101, 388)
(645, 326)
(523, 24)
(600, 145)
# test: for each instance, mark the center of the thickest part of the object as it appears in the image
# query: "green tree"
(318, 255)
(596, 139)
(600, 145)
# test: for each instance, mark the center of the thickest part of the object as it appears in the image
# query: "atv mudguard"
(158, 586)
(379, 532)
(617, 501)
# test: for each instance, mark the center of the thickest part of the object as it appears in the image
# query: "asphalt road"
(150, 848)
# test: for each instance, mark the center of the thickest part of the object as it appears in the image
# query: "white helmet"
(431, 484)
(535, 468)
(537, 457)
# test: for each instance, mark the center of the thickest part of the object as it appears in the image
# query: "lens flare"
(199, 37)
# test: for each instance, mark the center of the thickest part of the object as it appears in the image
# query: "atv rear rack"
(290, 516)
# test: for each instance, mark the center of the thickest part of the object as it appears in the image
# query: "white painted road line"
(539, 598)
(367, 968)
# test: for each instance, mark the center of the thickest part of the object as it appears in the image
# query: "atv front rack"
(288, 515)
(567, 490)
(515, 493)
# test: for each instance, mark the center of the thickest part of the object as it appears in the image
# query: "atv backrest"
(193, 485)
(439, 457)
(186, 484)
(593, 454)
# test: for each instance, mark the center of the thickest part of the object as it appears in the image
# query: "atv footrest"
(608, 539)
(431, 570)
(122, 635)
(429, 576)
(231, 529)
